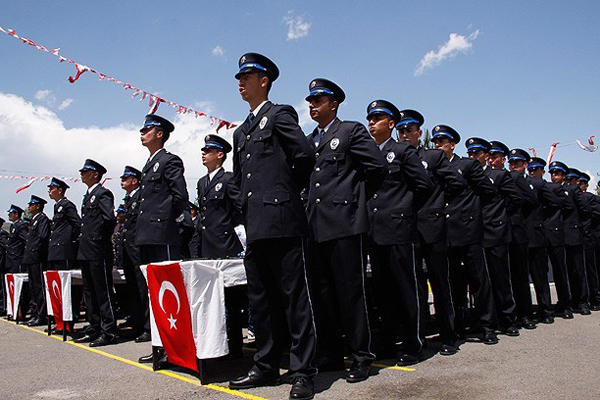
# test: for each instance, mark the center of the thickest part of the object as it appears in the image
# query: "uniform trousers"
(519, 275)
(577, 276)
(592, 276)
(467, 267)
(137, 291)
(396, 294)
(278, 295)
(37, 293)
(496, 258)
(557, 257)
(150, 253)
(538, 267)
(337, 271)
(98, 296)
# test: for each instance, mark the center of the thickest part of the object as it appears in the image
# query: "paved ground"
(557, 361)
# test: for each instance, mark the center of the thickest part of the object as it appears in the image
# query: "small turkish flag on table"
(58, 295)
(171, 311)
(14, 285)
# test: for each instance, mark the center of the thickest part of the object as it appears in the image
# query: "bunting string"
(154, 100)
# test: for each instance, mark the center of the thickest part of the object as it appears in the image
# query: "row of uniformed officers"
(314, 206)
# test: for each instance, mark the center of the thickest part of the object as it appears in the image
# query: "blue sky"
(524, 73)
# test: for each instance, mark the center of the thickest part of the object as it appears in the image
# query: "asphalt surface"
(557, 361)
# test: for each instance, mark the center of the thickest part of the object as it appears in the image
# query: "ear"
(334, 105)
(159, 133)
(420, 132)
(391, 124)
(264, 81)
(220, 154)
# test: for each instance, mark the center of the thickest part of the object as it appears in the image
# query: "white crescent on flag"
(55, 288)
(166, 285)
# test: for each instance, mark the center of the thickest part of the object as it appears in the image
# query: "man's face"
(410, 133)
(518, 165)
(151, 136)
(55, 193)
(211, 157)
(497, 160)
(445, 144)
(557, 176)
(13, 216)
(536, 172)
(380, 127)
(193, 212)
(322, 108)
(251, 85)
(87, 176)
(583, 185)
(129, 183)
(33, 208)
(120, 217)
(479, 155)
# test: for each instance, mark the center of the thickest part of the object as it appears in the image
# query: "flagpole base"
(201, 371)
(155, 359)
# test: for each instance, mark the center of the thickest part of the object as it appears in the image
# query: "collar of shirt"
(211, 175)
(451, 158)
(155, 153)
(326, 127)
(92, 188)
(134, 191)
(383, 144)
(485, 166)
(257, 109)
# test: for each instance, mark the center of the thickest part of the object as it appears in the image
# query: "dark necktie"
(207, 182)
(251, 118)
(319, 136)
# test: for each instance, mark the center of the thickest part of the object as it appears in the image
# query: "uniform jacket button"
(317, 169)
(247, 137)
(249, 194)
(375, 196)
(317, 185)
(317, 201)
(247, 156)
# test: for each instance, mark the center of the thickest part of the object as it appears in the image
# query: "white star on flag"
(172, 322)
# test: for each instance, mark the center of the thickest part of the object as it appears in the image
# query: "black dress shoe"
(88, 338)
(448, 349)
(489, 337)
(567, 314)
(547, 319)
(255, 379)
(584, 310)
(302, 388)
(144, 337)
(327, 364)
(528, 323)
(127, 324)
(511, 331)
(408, 359)
(162, 357)
(37, 321)
(593, 307)
(359, 371)
(104, 340)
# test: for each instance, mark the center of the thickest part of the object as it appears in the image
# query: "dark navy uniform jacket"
(465, 223)
(220, 213)
(394, 206)
(447, 183)
(573, 206)
(547, 205)
(132, 205)
(3, 242)
(164, 196)
(591, 219)
(554, 224)
(15, 248)
(64, 235)
(97, 224)
(518, 217)
(36, 248)
(348, 171)
(271, 164)
(495, 211)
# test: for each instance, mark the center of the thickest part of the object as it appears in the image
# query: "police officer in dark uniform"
(271, 165)
(3, 242)
(590, 222)
(36, 258)
(137, 287)
(66, 225)
(194, 244)
(393, 234)
(518, 254)
(547, 204)
(163, 198)
(575, 206)
(432, 229)
(349, 170)
(496, 227)
(465, 233)
(15, 248)
(96, 255)
(220, 213)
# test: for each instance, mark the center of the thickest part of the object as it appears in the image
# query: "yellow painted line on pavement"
(145, 367)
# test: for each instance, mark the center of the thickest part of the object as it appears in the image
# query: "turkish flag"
(171, 311)
(55, 292)
(10, 285)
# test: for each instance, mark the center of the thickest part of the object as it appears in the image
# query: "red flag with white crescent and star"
(10, 283)
(55, 290)
(171, 311)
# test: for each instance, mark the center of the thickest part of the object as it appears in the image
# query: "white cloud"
(297, 26)
(65, 104)
(42, 94)
(35, 141)
(455, 45)
(218, 51)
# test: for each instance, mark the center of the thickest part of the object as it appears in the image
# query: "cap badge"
(218, 186)
(373, 104)
(243, 59)
(59, 209)
(93, 198)
(156, 166)
(401, 115)
(334, 143)
(437, 128)
(390, 157)
(471, 141)
(514, 152)
(313, 84)
(425, 164)
(263, 122)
